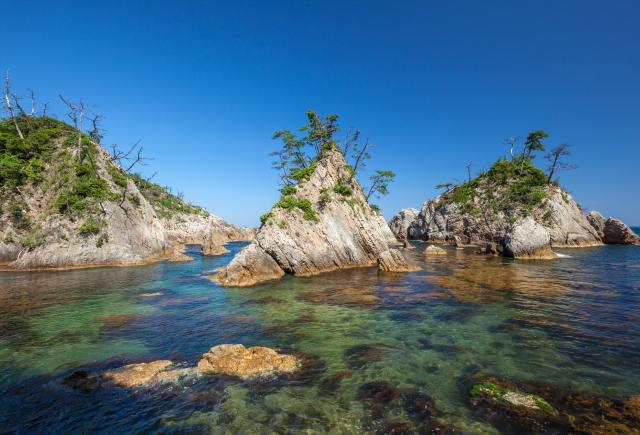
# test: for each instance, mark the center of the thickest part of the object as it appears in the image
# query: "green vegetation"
(505, 396)
(265, 217)
(297, 160)
(163, 202)
(343, 189)
(90, 227)
(33, 239)
(291, 202)
(509, 186)
(23, 160)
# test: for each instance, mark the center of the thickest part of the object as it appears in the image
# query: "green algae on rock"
(505, 396)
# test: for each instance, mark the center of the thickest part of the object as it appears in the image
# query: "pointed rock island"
(322, 223)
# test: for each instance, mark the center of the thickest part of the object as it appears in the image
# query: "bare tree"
(96, 131)
(45, 106)
(33, 102)
(10, 107)
(512, 142)
(468, 166)
(555, 158)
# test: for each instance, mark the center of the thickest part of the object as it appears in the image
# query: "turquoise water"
(384, 353)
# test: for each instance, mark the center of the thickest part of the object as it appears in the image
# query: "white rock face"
(528, 240)
(345, 233)
(401, 222)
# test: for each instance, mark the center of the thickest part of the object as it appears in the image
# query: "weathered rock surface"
(247, 363)
(434, 250)
(527, 239)
(335, 231)
(401, 222)
(207, 230)
(611, 230)
(250, 266)
(126, 232)
(444, 220)
(392, 260)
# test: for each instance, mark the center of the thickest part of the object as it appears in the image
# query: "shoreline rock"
(322, 224)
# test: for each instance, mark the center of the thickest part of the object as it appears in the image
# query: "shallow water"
(377, 344)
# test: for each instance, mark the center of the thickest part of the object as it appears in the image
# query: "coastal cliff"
(517, 209)
(65, 202)
(323, 223)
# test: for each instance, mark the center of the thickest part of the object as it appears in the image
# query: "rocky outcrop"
(250, 266)
(118, 231)
(204, 229)
(527, 239)
(247, 363)
(88, 212)
(612, 230)
(401, 222)
(324, 223)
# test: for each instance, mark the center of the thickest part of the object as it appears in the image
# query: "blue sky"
(435, 85)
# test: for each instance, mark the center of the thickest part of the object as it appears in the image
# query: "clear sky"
(435, 84)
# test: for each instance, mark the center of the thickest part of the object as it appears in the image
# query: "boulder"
(250, 266)
(406, 245)
(324, 223)
(596, 220)
(211, 247)
(618, 233)
(401, 222)
(434, 250)
(457, 240)
(527, 239)
(247, 363)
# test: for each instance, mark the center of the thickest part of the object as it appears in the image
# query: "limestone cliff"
(323, 223)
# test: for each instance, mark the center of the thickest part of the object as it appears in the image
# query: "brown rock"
(247, 363)
(134, 375)
(618, 233)
(392, 260)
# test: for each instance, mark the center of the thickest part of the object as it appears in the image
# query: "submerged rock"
(322, 224)
(434, 250)
(503, 396)
(135, 375)
(527, 239)
(247, 363)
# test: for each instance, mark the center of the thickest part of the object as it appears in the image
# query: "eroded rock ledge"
(322, 224)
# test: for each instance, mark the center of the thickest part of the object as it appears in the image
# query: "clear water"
(572, 322)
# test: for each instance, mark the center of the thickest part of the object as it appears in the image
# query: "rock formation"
(401, 222)
(512, 205)
(247, 363)
(611, 230)
(324, 223)
(82, 209)
(527, 239)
